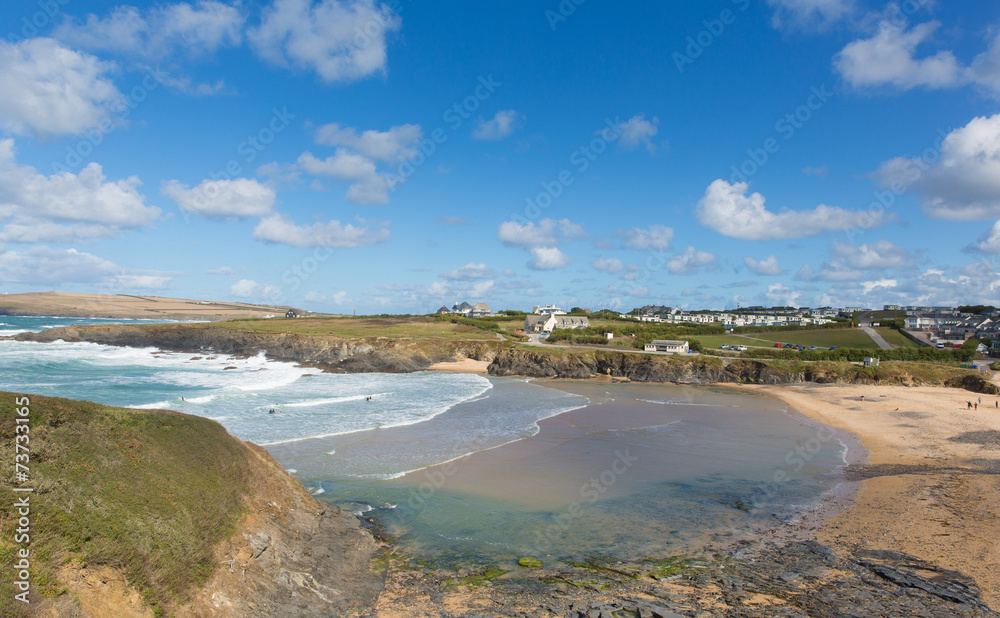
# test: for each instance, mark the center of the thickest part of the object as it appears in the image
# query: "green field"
(413, 328)
(895, 338)
(714, 341)
(824, 338)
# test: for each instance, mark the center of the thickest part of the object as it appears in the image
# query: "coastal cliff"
(145, 513)
(328, 352)
(402, 354)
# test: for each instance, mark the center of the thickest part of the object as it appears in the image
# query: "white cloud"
(887, 58)
(470, 272)
(809, 13)
(40, 264)
(509, 272)
(279, 228)
(548, 258)
(640, 292)
(656, 237)
(239, 197)
(51, 90)
(780, 294)
(877, 255)
(986, 66)
(367, 184)
(990, 241)
(160, 32)
(339, 40)
(546, 233)
(609, 265)
(64, 207)
(248, 288)
(727, 209)
(689, 261)
(964, 183)
(767, 266)
(868, 286)
(396, 144)
(829, 272)
(637, 131)
(224, 271)
(499, 127)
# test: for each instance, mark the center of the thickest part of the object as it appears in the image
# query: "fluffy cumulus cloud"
(396, 144)
(782, 295)
(239, 197)
(990, 241)
(727, 209)
(809, 13)
(888, 59)
(41, 264)
(976, 283)
(689, 261)
(51, 90)
(341, 40)
(498, 127)
(248, 288)
(367, 184)
(637, 131)
(655, 237)
(470, 272)
(159, 31)
(877, 255)
(767, 266)
(963, 183)
(548, 258)
(609, 265)
(65, 207)
(278, 228)
(546, 233)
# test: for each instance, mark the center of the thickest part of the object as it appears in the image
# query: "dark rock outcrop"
(638, 368)
(328, 352)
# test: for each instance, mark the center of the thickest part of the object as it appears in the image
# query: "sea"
(464, 469)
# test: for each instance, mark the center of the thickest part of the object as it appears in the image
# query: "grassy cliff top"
(149, 493)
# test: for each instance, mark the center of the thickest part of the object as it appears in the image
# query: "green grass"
(896, 338)
(711, 342)
(843, 337)
(147, 492)
(411, 328)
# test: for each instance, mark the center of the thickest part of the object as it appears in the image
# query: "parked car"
(741, 348)
(812, 347)
(834, 347)
(779, 345)
(724, 346)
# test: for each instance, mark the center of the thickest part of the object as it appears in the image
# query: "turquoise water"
(456, 465)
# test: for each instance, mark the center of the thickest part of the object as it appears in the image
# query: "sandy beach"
(466, 365)
(931, 486)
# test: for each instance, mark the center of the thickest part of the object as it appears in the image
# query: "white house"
(549, 323)
(548, 310)
(480, 310)
(667, 346)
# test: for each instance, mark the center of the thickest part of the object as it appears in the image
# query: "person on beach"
(862, 398)
(976, 407)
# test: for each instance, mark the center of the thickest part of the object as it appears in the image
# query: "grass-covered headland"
(147, 493)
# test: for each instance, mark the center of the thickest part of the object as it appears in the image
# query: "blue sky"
(348, 156)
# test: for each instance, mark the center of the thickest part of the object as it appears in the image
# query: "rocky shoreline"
(800, 578)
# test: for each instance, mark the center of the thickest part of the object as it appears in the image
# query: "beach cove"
(913, 528)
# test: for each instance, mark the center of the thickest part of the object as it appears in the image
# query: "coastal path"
(877, 338)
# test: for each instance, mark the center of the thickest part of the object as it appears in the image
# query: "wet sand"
(931, 486)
